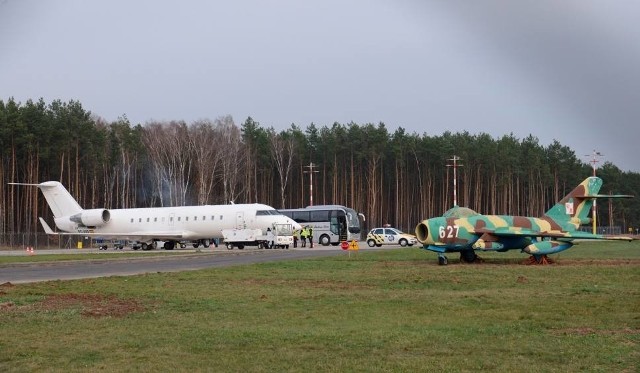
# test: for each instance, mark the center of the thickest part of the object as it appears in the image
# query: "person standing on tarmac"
(295, 238)
(269, 238)
(310, 234)
(303, 236)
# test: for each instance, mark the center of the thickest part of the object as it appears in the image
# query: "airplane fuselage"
(453, 234)
(172, 223)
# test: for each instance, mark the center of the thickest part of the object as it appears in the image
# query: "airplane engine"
(92, 218)
(422, 231)
(547, 247)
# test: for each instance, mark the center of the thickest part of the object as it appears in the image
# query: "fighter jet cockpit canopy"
(459, 212)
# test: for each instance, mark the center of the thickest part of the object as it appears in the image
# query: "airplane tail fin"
(59, 199)
(573, 210)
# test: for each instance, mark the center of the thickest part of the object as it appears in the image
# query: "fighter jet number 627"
(463, 230)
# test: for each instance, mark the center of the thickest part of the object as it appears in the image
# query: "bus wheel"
(325, 240)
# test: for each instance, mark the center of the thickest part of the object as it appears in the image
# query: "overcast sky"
(564, 70)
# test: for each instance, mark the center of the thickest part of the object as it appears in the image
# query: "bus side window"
(319, 216)
(301, 216)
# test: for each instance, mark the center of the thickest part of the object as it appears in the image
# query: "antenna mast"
(594, 161)
(455, 165)
(311, 171)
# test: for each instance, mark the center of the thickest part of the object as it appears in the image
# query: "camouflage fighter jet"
(463, 230)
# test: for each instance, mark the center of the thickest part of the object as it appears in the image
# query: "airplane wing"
(524, 232)
(128, 235)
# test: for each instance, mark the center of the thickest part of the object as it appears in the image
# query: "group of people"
(306, 233)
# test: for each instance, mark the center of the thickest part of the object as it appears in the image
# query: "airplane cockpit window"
(267, 212)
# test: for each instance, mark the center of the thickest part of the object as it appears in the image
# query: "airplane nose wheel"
(442, 260)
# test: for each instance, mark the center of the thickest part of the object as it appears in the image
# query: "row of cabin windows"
(186, 218)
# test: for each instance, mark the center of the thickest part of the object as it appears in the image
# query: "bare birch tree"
(170, 153)
(233, 157)
(207, 153)
(282, 146)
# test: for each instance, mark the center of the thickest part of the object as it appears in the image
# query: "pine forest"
(395, 178)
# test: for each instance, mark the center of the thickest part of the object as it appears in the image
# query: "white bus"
(331, 224)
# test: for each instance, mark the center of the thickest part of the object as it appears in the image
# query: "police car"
(389, 236)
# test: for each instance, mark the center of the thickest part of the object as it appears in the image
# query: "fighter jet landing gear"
(442, 260)
(539, 260)
(469, 256)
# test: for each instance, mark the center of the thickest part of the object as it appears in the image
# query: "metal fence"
(20, 241)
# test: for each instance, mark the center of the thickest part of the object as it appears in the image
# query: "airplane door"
(171, 217)
(240, 224)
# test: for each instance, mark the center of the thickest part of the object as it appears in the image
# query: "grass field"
(394, 310)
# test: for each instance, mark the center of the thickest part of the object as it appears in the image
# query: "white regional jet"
(149, 225)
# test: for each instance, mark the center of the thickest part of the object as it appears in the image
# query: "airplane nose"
(422, 231)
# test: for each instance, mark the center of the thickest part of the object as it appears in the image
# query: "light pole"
(455, 165)
(594, 161)
(311, 171)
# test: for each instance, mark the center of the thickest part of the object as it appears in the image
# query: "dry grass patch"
(88, 305)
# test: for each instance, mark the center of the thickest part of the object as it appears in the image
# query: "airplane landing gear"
(539, 260)
(469, 256)
(442, 259)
